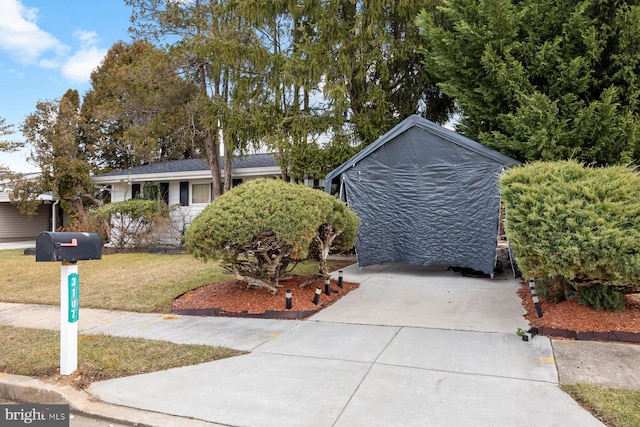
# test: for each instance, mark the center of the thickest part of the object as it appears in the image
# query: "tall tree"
(375, 77)
(311, 80)
(200, 35)
(52, 133)
(541, 79)
(139, 110)
(7, 145)
(6, 130)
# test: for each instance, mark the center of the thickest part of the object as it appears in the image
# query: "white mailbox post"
(69, 316)
(68, 248)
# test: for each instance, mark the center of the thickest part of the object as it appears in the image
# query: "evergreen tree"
(6, 130)
(52, 133)
(375, 77)
(6, 145)
(541, 79)
(208, 44)
(139, 110)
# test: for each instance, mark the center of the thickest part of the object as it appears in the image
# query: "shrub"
(571, 224)
(133, 223)
(601, 297)
(94, 223)
(259, 227)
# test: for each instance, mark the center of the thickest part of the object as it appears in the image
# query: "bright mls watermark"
(34, 415)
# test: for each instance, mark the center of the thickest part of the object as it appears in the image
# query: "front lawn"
(36, 352)
(139, 282)
(133, 282)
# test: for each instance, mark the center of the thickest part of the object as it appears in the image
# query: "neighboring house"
(186, 183)
(425, 195)
(15, 226)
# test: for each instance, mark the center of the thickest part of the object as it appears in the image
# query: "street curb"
(20, 388)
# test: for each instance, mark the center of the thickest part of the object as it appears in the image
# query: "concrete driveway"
(411, 347)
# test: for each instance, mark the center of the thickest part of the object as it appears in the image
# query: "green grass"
(35, 352)
(613, 406)
(132, 282)
(138, 282)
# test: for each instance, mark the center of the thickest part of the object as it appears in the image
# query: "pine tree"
(52, 133)
(139, 110)
(541, 79)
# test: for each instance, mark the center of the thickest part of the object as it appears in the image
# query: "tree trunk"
(228, 166)
(212, 142)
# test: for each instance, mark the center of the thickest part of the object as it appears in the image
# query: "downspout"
(53, 215)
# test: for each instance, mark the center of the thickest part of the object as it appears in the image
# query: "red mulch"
(573, 316)
(232, 296)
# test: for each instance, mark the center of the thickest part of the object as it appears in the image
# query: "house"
(15, 226)
(425, 196)
(185, 183)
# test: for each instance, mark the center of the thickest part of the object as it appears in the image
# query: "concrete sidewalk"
(411, 346)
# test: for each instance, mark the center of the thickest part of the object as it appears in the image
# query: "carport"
(426, 196)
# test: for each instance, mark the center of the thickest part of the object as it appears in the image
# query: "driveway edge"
(21, 388)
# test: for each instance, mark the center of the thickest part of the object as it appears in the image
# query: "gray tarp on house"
(425, 196)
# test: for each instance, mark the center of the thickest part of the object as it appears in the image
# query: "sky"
(48, 47)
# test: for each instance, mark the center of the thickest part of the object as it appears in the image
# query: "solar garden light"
(327, 286)
(288, 296)
(340, 279)
(316, 297)
(534, 297)
(68, 248)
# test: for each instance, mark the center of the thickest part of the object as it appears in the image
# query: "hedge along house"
(425, 196)
(185, 183)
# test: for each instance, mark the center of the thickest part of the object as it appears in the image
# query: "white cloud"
(21, 37)
(26, 42)
(79, 66)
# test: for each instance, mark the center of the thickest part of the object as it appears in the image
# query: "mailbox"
(68, 247)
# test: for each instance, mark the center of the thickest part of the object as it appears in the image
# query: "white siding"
(15, 226)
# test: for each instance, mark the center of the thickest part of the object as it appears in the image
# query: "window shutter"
(184, 193)
(164, 192)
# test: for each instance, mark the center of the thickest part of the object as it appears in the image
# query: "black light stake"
(316, 297)
(327, 286)
(288, 296)
(340, 279)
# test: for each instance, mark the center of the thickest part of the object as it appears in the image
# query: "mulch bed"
(569, 319)
(232, 298)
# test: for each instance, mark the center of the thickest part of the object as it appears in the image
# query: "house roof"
(428, 126)
(190, 165)
(192, 168)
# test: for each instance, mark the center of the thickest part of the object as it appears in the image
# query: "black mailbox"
(68, 247)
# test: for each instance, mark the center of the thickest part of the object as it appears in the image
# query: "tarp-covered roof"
(425, 196)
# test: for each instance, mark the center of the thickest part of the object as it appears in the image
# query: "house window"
(236, 181)
(135, 191)
(201, 193)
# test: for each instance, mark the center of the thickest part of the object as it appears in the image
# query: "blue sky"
(47, 47)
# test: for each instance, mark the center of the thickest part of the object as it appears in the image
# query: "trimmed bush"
(259, 227)
(571, 225)
(133, 223)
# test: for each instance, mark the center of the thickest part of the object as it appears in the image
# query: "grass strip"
(613, 406)
(36, 352)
